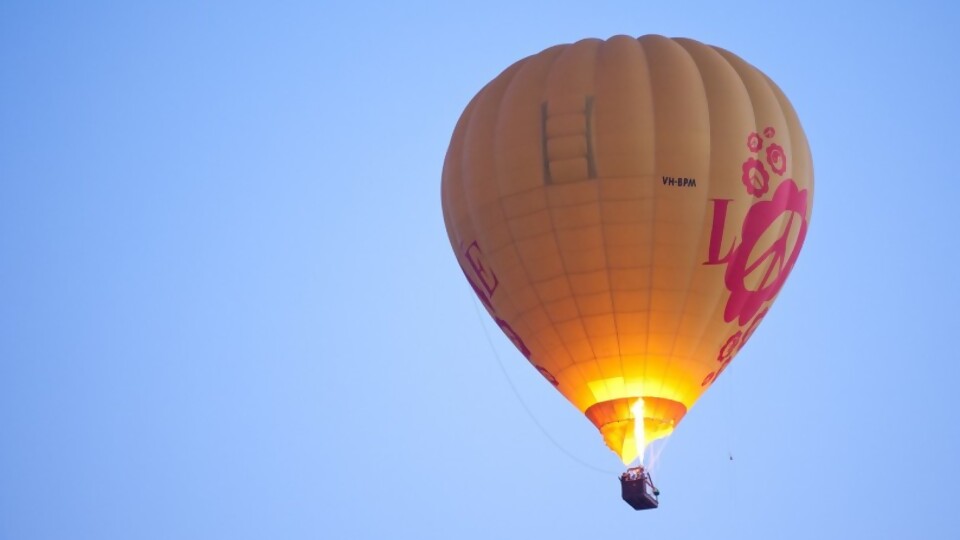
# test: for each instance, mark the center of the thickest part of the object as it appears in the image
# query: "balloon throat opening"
(629, 425)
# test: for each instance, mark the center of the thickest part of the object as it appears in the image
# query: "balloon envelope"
(627, 211)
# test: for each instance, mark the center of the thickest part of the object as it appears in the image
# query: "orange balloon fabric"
(627, 211)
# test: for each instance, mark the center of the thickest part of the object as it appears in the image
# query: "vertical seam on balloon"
(723, 292)
(592, 168)
(573, 296)
(779, 110)
(605, 378)
(796, 134)
(462, 176)
(458, 175)
(758, 128)
(520, 324)
(720, 307)
(696, 251)
(505, 302)
(784, 226)
(573, 359)
(653, 214)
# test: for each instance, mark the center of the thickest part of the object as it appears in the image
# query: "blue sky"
(228, 308)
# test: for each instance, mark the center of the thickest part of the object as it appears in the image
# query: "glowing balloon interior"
(627, 211)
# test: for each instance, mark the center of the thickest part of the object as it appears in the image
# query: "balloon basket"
(638, 490)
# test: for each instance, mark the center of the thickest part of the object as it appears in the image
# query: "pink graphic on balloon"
(768, 266)
(755, 177)
(716, 233)
(547, 375)
(730, 347)
(724, 356)
(486, 277)
(777, 159)
(484, 283)
(754, 142)
(769, 132)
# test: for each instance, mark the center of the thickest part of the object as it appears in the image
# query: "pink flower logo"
(776, 158)
(756, 273)
(754, 142)
(755, 177)
(769, 132)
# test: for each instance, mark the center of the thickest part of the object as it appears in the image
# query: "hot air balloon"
(627, 210)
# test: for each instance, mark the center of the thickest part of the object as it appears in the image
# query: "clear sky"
(229, 309)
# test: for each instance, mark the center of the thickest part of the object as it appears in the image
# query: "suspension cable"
(523, 403)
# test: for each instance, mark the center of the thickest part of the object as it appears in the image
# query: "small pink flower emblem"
(769, 132)
(755, 177)
(754, 142)
(776, 158)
